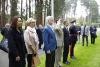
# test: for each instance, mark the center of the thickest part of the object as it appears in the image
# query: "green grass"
(86, 56)
(0, 37)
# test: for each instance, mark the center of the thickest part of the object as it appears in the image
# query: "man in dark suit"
(93, 34)
(66, 43)
(50, 43)
(85, 34)
(39, 33)
(73, 38)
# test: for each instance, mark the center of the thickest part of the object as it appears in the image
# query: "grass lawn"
(86, 56)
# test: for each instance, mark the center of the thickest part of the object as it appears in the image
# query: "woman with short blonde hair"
(31, 40)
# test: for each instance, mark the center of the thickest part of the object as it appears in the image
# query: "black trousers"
(72, 45)
(65, 52)
(29, 60)
(40, 44)
(92, 39)
(50, 59)
(14, 63)
(83, 37)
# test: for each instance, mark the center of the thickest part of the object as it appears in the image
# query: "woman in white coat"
(31, 40)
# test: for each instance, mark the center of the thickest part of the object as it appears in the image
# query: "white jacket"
(31, 38)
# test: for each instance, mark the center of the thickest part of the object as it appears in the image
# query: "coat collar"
(31, 29)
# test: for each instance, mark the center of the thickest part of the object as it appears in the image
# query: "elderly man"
(50, 43)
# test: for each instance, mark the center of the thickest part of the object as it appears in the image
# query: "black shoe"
(67, 62)
(73, 57)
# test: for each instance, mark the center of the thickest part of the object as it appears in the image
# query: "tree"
(74, 6)
(14, 11)
(3, 16)
(7, 10)
(0, 12)
(48, 6)
(38, 11)
(21, 8)
(92, 7)
(58, 7)
(29, 8)
(26, 9)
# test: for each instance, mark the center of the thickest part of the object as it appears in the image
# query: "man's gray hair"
(49, 18)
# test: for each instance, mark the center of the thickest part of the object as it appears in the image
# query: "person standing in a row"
(39, 31)
(93, 34)
(66, 43)
(58, 27)
(73, 38)
(31, 41)
(84, 33)
(50, 43)
(16, 44)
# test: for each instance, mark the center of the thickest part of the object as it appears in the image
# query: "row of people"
(57, 37)
(84, 30)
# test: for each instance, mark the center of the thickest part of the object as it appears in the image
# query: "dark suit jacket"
(66, 36)
(73, 33)
(16, 43)
(40, 32)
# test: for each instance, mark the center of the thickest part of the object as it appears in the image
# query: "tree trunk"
(29, 8)
(38, 11)
(3, 13)
(26, 9)
(0, 12)
(21, 8)
(49, 8)
(13, 8)
(7, 7)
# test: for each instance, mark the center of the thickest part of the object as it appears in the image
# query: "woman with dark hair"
(16, 45)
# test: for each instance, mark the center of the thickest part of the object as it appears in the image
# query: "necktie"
(84, 30)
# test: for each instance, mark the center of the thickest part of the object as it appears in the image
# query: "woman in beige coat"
(31, 40)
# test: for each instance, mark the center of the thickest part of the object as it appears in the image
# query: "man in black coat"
(93, 34)
(66, 43)
(73, 38)
(39, 33)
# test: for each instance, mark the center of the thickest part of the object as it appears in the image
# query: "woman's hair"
(30, 20)
(14, 21)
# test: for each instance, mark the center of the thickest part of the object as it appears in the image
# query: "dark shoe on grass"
(67, 62)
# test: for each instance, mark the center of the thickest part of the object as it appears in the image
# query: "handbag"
(4, 45)
(35, 60)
